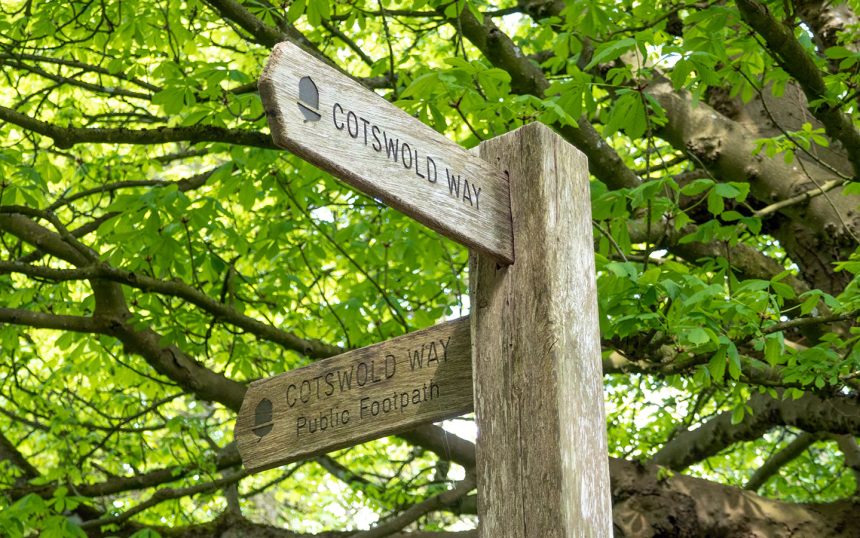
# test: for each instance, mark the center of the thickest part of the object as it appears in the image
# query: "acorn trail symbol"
(309, 99)
(263, 418)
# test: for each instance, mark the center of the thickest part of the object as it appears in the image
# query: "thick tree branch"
(805, 322)
(169, 361)
(446, 445)
(792, 57)
(40, 237)
(224, 312)
(265, 35)
(827, 20)
(727, 151)
(77, 233)
(748, 261)
(815, 233)
(645, 503)
(39, 320)
(178, 366)
(648, 503)
(811, 413)
(226, 458)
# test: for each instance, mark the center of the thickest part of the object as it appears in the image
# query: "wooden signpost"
(425, 376)
(531, 340)
(542, 457)
(332, 121)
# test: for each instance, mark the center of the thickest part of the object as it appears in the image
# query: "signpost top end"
(332, 121)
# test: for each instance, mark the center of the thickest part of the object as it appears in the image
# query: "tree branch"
(184, 185)
(40, 237)
(528, 78)
(10, 453)
(174, 288)
(647, 502)
(38, 320)
(806, 322)
(226, 458)
(232, 525)
(791, 56)
(412, 513)
(66, 137)
(263, 34)
(96, 88)
(811, 413)
(165, 494)
(80, 65)
(815, 228)
(446, 445)
(851, 452)
(777, 461)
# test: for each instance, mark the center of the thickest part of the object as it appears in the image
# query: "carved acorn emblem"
(263, 418)
(309, 99)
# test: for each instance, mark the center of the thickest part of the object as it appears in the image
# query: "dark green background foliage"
(157, 253)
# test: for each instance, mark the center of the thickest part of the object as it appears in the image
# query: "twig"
(802, 197)
(609, 237)
(416, 511)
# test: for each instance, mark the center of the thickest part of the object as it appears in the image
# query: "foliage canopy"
(157, 253)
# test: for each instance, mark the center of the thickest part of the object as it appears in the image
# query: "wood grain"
(425, 376)
(541, 451)
(362, 139)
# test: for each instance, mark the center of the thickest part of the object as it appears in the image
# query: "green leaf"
(809, 304)
(773, 349)
(852, 188)
(735, 190)
(172, 100)
(726, 190)
(783, 290)
(297, 8)
(697, 335)
(734, 362)
(610, 51)
(697, 186)
(717, 365)
(422, 86)
(715, 203)
(247, 195)
(680, 72)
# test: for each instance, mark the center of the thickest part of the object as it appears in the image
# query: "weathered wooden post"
(542, 452)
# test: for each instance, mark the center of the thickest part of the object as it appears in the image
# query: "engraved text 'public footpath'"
(420, 377)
